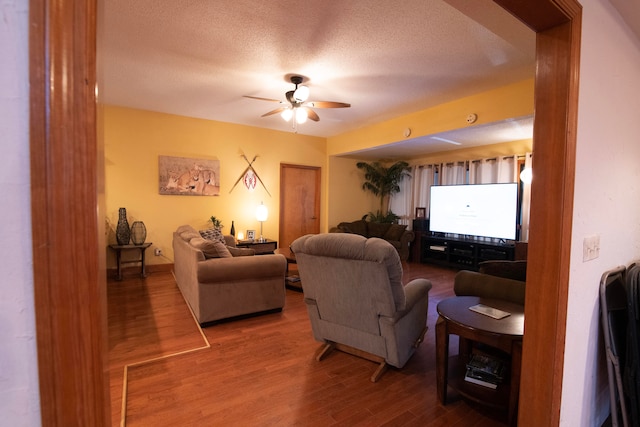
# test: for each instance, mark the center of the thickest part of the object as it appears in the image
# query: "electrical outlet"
(158, 252)
(591, 248)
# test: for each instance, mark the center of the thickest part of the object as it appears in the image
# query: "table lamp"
(261, 215)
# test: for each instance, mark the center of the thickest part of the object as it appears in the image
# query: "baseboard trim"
(135, 270)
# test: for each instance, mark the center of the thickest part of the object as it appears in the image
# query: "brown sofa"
(220, 288)
(396, 234)
(488, 286)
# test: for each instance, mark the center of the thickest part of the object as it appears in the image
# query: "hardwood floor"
(261, 371)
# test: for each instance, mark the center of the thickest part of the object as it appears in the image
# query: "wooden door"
(299, 202)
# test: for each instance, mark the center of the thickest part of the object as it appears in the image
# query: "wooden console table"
(118, 250)
(504, 334)
(261, 247)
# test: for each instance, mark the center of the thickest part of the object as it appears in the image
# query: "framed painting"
(188, 177)
(421, 212)
(251, 234)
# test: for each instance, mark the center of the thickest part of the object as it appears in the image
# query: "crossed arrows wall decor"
(249, 176)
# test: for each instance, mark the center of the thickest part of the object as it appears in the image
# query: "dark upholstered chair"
(356, 301)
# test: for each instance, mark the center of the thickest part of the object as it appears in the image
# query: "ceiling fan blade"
(312, 114)
(276, 111)
(327, 104)
(262, 99)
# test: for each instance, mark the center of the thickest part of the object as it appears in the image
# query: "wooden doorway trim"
(69, 288)
(558, 25)
(286, 170)
(69, 285)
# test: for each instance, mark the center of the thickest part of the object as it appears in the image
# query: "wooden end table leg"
(442, 359)
(143, 272)
(118, 262)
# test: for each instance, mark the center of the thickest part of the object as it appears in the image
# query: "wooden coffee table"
(504, 334)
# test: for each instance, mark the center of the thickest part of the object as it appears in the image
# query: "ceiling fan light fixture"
(301, 115)
(301, 93)
(287, 114)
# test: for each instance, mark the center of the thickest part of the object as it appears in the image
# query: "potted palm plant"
(217, 224)
(383, 181)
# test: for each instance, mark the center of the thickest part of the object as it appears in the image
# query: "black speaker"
(421, 224)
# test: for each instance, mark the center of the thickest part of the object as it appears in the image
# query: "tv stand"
(461, 252)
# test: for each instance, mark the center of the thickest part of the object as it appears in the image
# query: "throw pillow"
(394, 233)
(377, 229)
(355, 227)
(213, 234)
(211, 248)
(240, 251)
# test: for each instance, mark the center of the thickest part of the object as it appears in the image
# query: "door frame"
(318, 185)
(68, 183)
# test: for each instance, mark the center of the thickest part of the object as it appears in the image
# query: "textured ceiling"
(199, 58)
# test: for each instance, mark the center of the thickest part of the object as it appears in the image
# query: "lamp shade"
(526, 175)
(262, 213)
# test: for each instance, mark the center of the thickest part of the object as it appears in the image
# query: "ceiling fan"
(298, 107)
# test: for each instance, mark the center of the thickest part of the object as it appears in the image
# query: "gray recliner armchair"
(355, 299)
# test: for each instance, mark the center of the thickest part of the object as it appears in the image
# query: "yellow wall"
(510, 101)
(133, 141)
(348, 200)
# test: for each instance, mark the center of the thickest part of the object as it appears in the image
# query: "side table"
(292, 281)
(504, 334)
(265, 246)
(118, 250)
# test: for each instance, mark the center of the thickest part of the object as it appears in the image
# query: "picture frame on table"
(251, 235)
(421, 212)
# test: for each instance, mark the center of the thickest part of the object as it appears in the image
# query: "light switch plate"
(591, 248)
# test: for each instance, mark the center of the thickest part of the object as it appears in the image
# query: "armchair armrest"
(415, 291)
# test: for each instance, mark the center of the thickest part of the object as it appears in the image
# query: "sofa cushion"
(240, 251)
(395, 232)
(377, 229)
(210, 248)
(355, 227)
(213, 234)
(516, 270)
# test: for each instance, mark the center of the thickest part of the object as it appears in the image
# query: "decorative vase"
(233, 229)
(123, 233)
(138, 232)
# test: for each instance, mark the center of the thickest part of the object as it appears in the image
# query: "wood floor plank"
(261, 371)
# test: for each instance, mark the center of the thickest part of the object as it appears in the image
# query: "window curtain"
(526, 201)
(506, 169)
(423, 179)
(401, 203)
(415, 192)
(453, 173)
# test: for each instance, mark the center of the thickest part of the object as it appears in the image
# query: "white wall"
(607, 199)
(19, 393)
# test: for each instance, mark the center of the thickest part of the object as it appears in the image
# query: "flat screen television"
(487, 210)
